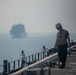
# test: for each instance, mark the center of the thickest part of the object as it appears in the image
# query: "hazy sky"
(38, 15)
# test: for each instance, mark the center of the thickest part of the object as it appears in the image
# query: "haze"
(38, 16)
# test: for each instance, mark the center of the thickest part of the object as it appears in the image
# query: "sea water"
(10, 48)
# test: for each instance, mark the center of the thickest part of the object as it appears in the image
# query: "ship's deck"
(70, 68)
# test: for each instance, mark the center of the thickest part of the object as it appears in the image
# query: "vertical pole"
(38, 56)
(58, 63)
(49, 70)
(5, 66)
(14, 65)
(42, 71)
(18, 63)
(29, 58)
(26, 61)
(35, 56)
(32, 57)
(43, 54)
(9, 68)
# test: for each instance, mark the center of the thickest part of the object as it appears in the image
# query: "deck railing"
(9, 67)
(34, 67)
(37, 66)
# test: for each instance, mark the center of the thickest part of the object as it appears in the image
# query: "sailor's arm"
(68, 39)
(55, 46)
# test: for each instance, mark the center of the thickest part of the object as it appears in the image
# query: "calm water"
(10, 48)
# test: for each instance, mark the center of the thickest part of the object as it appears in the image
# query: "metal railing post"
(32, 57)
(14, 65)
(18, 63)
(9, 70)
(29, 58)
(38, 56)
(49, 70)
(5, 66)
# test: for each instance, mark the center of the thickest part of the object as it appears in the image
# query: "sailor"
(62, 42)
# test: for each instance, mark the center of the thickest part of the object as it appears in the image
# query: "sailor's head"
(22, 51)
(58, 26)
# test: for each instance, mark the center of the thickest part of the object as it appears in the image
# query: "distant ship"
(18, 31)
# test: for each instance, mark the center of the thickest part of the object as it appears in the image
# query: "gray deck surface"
(70, 68)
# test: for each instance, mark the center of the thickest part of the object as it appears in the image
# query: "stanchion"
(49, 70)
(5, 63)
